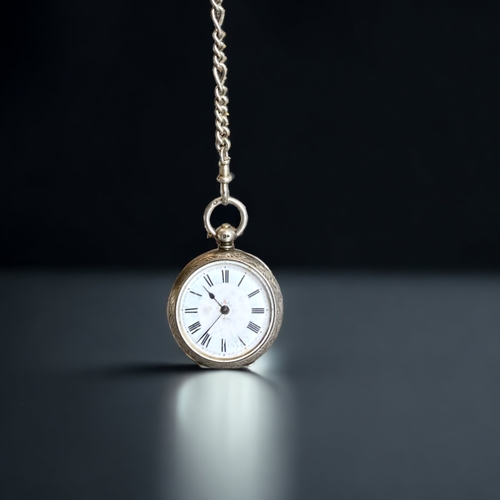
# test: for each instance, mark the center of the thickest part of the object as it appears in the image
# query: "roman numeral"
(195, 327)
(222, 345)
(225, 276)
(208, 280)
(250, 295)
(241, 279)
(257, 310)
(242, 342)
(205, 339)
(252, 326)
(194, 293)
(191, 310)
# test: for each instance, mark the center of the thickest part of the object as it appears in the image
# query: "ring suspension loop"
(231, 201)
(222, 133)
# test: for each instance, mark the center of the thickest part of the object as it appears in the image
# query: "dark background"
(368, 130)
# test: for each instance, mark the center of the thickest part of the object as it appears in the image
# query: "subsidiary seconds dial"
(224, 310)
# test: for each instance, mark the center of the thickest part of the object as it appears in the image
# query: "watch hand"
(212, 296)
(213, 324)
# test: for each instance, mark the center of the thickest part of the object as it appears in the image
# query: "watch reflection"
(230, 437)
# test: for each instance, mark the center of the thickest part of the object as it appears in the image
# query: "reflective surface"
(230, 437)
(377, 387)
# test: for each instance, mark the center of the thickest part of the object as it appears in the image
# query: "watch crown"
(225, 236)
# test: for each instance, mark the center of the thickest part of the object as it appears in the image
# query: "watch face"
(224, 310)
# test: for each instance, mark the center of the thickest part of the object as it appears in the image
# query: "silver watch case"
(258, 267)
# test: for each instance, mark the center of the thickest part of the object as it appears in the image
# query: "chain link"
(222, 142)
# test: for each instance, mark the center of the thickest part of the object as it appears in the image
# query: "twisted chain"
(222, 142)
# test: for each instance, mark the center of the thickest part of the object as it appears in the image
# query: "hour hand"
(212, 296)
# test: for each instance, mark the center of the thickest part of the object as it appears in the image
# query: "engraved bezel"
(256, 266)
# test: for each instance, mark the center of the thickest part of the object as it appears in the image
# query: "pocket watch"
(225, 308)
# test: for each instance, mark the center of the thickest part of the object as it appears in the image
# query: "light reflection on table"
(231, 437)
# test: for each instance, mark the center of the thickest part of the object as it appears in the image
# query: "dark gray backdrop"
(368, 129)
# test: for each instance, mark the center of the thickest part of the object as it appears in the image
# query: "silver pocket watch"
(225, 308)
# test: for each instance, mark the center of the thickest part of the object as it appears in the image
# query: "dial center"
(224, 310)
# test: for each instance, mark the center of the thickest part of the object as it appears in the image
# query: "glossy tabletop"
(378, 387)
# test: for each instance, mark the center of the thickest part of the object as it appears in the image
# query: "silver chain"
(222, 142)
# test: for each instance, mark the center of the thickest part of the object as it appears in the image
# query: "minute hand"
(212, 324)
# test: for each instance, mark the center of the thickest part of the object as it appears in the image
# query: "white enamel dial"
(224, 310)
